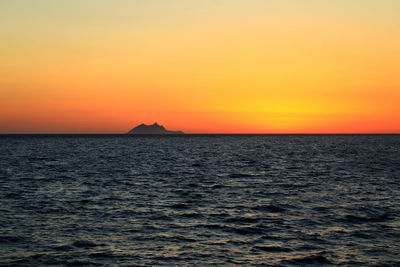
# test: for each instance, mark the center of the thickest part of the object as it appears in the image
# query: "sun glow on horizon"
(226, 66)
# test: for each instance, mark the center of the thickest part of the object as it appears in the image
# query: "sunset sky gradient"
(204, 66)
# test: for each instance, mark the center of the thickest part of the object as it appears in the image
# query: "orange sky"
(220, 66)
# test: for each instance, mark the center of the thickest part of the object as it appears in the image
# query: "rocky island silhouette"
(152, 129)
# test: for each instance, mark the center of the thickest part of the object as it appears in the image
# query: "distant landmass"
(152, 129)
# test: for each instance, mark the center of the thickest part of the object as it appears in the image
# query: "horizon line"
(127, 134)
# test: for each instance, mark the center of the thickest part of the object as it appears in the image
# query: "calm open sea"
(200, 200)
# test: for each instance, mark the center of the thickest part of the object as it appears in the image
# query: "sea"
(200, 200)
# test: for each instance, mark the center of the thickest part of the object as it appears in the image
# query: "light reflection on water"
(197, 200)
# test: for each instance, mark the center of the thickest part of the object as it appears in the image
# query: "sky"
(209, 66)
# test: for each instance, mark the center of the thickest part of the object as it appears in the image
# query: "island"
(152, 129)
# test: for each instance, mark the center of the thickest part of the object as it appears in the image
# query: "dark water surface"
(200, 200)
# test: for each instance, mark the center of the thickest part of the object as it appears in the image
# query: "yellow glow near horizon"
(219, 66)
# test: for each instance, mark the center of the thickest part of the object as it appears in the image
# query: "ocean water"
(200, 200)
